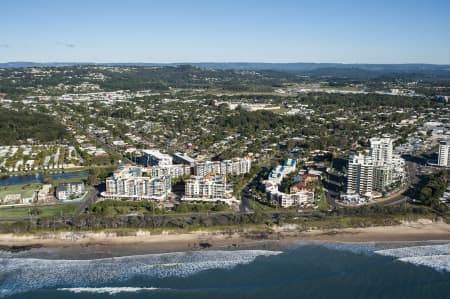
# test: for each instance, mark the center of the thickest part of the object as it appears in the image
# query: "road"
(89, 199)
(110, 149)
(246, 195)
(414, 165)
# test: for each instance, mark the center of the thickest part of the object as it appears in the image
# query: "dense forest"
(18, 126)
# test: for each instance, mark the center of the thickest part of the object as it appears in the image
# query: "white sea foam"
(414, 251)
(23, 274)
(437, 262)
(108, 290)
(434, 256)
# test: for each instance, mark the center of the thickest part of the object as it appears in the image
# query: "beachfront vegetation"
(350, 217)
(117, 208)
(433, 190)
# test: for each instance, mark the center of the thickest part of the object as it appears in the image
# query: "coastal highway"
(90, 198)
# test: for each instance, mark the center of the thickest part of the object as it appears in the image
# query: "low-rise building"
(300, 193)
(44, 194)
(67, 191)
(10, 199)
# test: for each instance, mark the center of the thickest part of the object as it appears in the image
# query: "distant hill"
(309, 67)
(338, 68)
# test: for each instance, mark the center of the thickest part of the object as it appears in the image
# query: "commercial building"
(444, 154)
(209, 188)
(127, 182)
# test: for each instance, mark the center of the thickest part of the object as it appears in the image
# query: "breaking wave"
(108, 290)
(25, 274)
(434, 256)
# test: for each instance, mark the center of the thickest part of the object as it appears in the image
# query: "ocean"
(302, 270)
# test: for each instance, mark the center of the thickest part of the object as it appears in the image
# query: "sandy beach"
(141, 241)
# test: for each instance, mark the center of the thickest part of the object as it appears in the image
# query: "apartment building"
(175, 170)
(381, 150)
(360, 175)
(236, 166)
(155, 158)
(444, 154)
(127, 182)
(68, 190)
(208, 188)
(376, 172)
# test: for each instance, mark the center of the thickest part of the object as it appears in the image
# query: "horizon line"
(223, 62)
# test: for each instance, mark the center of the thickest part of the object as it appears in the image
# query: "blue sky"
(359, 31)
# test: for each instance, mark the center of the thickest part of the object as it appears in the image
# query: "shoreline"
(105, 243)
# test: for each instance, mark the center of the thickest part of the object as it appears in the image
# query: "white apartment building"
(296, 199)
(209, 188)
(286, 200)
(376, 172)
(381, 150)
(67, 190)
(444, 154)
(127, 182)
(155, 158)
(277, 173)
(236, 166)
(175, 170)
(360, 175)
(183, 159)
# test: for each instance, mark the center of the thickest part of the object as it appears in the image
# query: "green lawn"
(26, 190)
(66, 209)
(257, 206)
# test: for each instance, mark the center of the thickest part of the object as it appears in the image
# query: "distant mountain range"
(285, 67)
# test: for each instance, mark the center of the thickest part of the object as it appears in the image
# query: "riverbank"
(141, 241)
